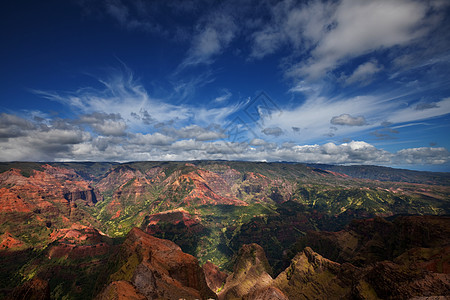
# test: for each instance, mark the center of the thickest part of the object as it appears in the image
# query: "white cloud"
(411, 113)
(104, 124)
(13, 126)
(328, 34)
(364, 72)
(42, 144)
(299, 26)
(346, 119)
(311, 119)
(423, 156)
(257, 142)
(70, 143)
(211, 38)
(156, 139)
(360, 27)
(195, 132)
(227, 95)
(124, 96)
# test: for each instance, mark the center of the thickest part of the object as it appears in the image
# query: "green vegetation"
(277, 204)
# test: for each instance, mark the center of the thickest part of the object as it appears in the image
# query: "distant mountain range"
(77, 220)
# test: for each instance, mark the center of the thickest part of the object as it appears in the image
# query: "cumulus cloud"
(105, 124)
(275, 131)
(423, 155)
(42, 143)
(143, 116)
(346, 119)
(195, 132)
(13, 126)
(156, 139)
(257, 142)
(69, 142)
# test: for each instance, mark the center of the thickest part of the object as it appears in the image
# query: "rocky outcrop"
(158, 269)
(78, 242)
(251, 273)
(48, 191)
(208, 188)
(12, 202)
(178, 217)
(214, 277)
(88, 195)
(211, 209)
(310, 275)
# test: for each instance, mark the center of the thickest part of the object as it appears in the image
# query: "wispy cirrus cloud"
(123, 96)
(210, 39)
(360, 27)
(130, 15)
(325, 35)
(348, 115)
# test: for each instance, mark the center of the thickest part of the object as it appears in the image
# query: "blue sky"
(343, 82)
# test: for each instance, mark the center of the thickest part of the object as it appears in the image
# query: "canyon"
(222, 230)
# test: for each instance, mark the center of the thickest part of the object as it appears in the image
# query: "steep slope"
(214, 277)
(60, 220)
(157, 269)
(68, 265)
(35, 203)
(251, 273)
(311, 275)
(364, 242)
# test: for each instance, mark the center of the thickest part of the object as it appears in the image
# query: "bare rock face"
(78, 242)
(11, 202)
(250, 273)
(214, 277)
(158, 269)
(36, 204)
(207, 188)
